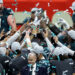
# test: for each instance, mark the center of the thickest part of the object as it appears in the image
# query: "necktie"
(31, 69)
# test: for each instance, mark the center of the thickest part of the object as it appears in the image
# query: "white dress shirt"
(34, 69)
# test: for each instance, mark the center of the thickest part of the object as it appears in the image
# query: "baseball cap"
(15, 46)
(33, 10)
(2, 50)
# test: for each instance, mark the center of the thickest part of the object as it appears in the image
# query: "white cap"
(73, 5)
(34, 44)
(2, 50)
(71, 33)
(36, 48)
(1, 1)
(34, 9)
(15, 46)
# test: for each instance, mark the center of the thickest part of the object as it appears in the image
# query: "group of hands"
(30, 29)
(36, 30)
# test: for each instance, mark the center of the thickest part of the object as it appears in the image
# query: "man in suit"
(33, 68)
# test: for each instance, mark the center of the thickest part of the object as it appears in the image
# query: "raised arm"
(49, 44)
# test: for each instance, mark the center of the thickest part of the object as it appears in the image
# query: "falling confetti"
(66, 10)
(45, 13)
(70, 7)
(69, 13)
(15, 0)
(15, 4)
(37, 4)
(15, 9)
(55, 10)
(42, 44)
(48, 4)
(46, 48)
(33, 27)
(50, 0)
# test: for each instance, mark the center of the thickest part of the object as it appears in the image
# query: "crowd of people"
(38, 48)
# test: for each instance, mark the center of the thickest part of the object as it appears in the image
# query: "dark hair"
(72, 56)
(62, 57)
(18, 52)
(33, 12)
(53, 42)
(39, 36)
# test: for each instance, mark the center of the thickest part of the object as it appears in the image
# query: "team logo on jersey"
(71, 63)
(65, 72)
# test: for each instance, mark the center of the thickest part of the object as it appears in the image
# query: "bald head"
(32, 58)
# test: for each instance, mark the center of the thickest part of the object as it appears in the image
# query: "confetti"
(70, 7)
(28, 46)
(48, 4)
(66, 10)
(37, 4)
(46, 48)
(53, 66)
(69, 13)
(15, 9)
(33, 26)
(50, 0)
(58, 58)
(53, 34)
(15, 0)
(15, 4)
(45, 13)
(42, 44)
(55, 10)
